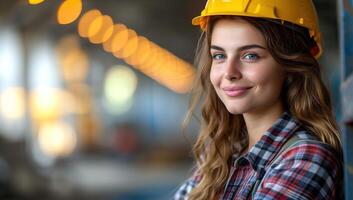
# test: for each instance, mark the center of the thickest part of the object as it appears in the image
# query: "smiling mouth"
(235, 92)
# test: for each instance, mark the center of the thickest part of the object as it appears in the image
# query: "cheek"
(215, 77)
(266, 77)
(259, 76)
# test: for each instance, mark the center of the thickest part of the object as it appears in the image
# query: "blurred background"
(93, 94)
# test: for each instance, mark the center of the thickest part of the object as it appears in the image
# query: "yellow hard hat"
(299, 12)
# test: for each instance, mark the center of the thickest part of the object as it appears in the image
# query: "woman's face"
(243, 73)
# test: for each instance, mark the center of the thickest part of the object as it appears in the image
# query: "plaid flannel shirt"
(306, 171)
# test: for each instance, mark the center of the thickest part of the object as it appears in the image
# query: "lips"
(235, 91)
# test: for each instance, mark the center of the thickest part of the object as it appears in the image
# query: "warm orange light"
(141, 54)
(69, 11)
(100, 30)
(82, 95)
(162, 66)
(171, 70)
(74, 66)
(12, 103)
(108, 32)
(177, 75)
(57, 138)
(151, 57)
(155, 68)
(67, 43)
(168, 68)
(108, 44)
(130, 46)
(86, 20)
(45, 104)
(95, 26)
(72, 60)
(183, 83)
(149, 67)
(144, 55)
(120, 39)
(165, 68)
(34, 2)
(50, 103)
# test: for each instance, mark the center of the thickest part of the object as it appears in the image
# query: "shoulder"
(308, 170)
(309, 149)
(184, 190)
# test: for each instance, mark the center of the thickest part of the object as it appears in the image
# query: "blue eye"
(218, 56)
(251, 57)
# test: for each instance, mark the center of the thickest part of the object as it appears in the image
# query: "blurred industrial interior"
(81, 121)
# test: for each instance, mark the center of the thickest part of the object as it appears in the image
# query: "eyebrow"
(242, 48)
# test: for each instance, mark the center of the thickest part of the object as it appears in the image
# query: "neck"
(260, 121)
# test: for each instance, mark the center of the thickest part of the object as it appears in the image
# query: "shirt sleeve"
(185, 189)
(307, 171)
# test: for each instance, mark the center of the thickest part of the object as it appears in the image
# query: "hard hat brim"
(198, 20)
(202, 20)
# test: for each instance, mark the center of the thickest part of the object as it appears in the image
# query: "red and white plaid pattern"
(310, 170)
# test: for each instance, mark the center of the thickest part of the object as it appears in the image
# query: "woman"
(268, 130)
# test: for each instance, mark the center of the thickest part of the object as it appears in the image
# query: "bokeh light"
(12, 103)
(129, 47)
(72, 60)
(34, 2)
(56, 138)
(104, 31)
(148, 66)
(120, 38)
(51, 103)
(95, 26)
(141, 54)
(119, 88)
(74, 66)
(86, 20)
(69, 11)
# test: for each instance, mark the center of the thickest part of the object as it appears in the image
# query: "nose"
(232, 72)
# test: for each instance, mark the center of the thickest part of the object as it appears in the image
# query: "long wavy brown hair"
(304, 95)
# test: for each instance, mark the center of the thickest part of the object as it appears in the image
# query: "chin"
(236, 110)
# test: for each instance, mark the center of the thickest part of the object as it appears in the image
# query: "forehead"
(235, 32)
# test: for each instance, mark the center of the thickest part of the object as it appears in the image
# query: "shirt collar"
(271, 142)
